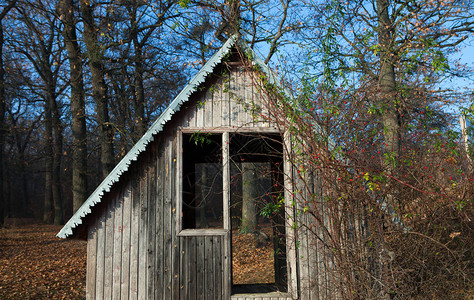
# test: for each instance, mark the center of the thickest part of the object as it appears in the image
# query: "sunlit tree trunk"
(390, 120)
(387, 82)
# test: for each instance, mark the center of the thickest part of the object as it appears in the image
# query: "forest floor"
(35, 264)
(252, 264)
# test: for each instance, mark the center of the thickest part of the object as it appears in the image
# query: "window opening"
(202, 181)
(257, 213)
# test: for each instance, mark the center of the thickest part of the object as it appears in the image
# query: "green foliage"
(200, 139)
(184, 3)
(272, 208)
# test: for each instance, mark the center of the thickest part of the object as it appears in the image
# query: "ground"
(251, 264)
(35, 264)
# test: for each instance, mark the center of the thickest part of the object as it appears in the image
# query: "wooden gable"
(135, 249)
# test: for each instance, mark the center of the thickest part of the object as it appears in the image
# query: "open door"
(257, 208)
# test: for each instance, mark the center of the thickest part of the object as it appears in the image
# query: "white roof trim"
(140, 146)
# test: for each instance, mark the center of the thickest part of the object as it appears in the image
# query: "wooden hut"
(161, 225)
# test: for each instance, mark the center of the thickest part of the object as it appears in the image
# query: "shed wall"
(133, 249)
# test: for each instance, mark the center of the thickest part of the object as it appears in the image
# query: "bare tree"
(3, 13)
(79, 133)
(45, 55)
(95, 54)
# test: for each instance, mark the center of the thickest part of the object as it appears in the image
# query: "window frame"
(179, 188)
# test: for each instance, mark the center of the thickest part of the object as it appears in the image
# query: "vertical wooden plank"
(183, 274)
(183, 267)
(260, 99)
(325, 260)
(186, 119)
(209, 267)
(245, 115)
(193, 115)
(117, 246)
(256, 101)
(216, 108)
(192, 256)
(200, 268)
(218, 267)
(234, 100)
(151, 225)
(226, 180)
(179, 176)
(226, 255)
(200, 112)
(109, 245)
(159, 232)
(134, 229)
(208, 108)
(263, 101)
(224, 98)
(312, 250)
(303, 253)
(240, 97)
(91, 260)
(100, 274)
(167, 246)
(289, 213)
(174, 238)
(302, 235)
(159, 255)
(316, 258)
(142, 232)
(250, 103)
(127, 215)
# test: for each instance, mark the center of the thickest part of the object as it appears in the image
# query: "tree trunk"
(3, 206)
(388, 90)
(387, 82)
(79, 133)
(22, 199)
(57, 150)
(48, 212)
(230, 23)
(204, 195)
(139, 96)
(139, 92)
(250, 193)
(94, 53)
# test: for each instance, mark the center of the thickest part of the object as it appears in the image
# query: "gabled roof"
(156, 127)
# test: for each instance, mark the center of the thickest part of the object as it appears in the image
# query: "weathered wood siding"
(230, 101)
(314, 259)
(133, 249)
